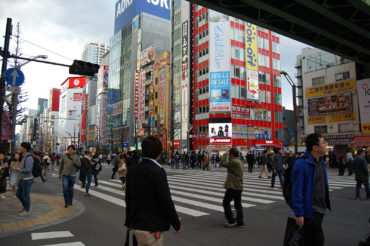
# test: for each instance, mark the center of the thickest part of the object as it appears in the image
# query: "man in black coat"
(149, 207)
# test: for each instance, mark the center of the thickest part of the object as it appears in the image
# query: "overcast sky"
(64, 26)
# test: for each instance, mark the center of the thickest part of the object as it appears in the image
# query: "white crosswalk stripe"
(50, 235)
(202, 193)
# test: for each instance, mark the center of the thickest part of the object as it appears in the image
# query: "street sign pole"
(8, 32)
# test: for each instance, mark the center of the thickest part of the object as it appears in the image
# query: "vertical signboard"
(219, 65)
(185, 80)
(136, 94)
(251, 56)
(363, 91)
(162, 91)
(83, 118)
(141, 101)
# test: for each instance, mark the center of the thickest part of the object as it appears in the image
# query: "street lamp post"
(292, 84)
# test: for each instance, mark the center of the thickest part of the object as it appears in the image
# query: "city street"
(198, 198)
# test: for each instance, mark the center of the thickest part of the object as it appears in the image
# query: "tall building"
(331, 102)
(236, 83)
(94, 51)
(311, 59)
(52, 121)
(138, 26)
(70, 115)
(27, 130)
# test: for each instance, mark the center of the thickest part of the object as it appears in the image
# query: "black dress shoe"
(66, 205)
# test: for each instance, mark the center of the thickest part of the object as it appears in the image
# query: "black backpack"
(37, 168)
(287, 184)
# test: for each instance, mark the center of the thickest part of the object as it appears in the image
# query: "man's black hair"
(360, 151)
(151, 147)
(234, 152)
(311, 140)
(26, 145)
(71, 146)
(265, 151)
(276, 150)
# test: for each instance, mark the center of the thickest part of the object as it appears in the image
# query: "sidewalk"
(45, 211)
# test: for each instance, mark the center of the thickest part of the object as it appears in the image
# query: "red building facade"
(243, 109)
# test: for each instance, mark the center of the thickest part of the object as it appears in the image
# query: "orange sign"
(313, 120)
(342, 117)
(348, 85)
(365, 128)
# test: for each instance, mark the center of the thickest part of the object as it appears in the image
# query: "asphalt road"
(265, 213)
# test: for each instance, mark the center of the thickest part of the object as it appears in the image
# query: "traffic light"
(83, 68)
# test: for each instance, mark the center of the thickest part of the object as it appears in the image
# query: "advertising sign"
(162, 95)
(363, 91)
(220, 130)
(102, 80)
(251, 57)
(342, 117)
(251, 47)
(185, 78)
(146, 56)
(136, 93)
(252, 85)
(330, 104)
(219, 64)
(83, 118)
(348, 85)
(77, 97)
(314, 120)
(220, 141)
(126, 10)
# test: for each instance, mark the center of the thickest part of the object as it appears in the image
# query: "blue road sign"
(14, 77)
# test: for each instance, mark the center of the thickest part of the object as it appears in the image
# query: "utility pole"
(8, 33)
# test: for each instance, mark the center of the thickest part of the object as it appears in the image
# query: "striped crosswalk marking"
(51, 234)
(201, 193)
(66, 244)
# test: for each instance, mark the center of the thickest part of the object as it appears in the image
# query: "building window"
(276, 64)
(275, 47)
(318, 81)
(277, 81)
(347, 127)
(321, 129)
(342, 76)
(156, 95)
(156, 81)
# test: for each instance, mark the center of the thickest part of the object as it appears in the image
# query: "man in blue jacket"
(310, 190)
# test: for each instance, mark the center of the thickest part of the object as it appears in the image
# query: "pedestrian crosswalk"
(201, 193)
(49, 236)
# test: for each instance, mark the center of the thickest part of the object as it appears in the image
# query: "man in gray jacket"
(277, 168)
(25, 179)
(69, 165)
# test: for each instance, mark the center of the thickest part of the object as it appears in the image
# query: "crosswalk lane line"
(51, 234)
(121, 202)
(217, 188)
(66, 244)
(220, 194)
(174, 198)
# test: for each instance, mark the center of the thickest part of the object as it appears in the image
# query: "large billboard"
(338, 103)
(103, 80)
(219, 66)
(126, 10)
(363, 91)
(220, 130)
(333, 88)
(251, 57)
(185, 95)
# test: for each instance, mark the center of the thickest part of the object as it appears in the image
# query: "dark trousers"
(235, 195)
(114, 172)
(313, 234)
(250, 167)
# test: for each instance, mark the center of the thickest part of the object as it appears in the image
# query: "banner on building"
(147, 56)
(333, 88)
(314, 120)
(251, 58)
(77, 97)
(162, 94)
(220, 130)
(330, 104)
(219, 66)
(342, 117)
(136, 94)
(83, 118)
(363, 91)
(102, 85)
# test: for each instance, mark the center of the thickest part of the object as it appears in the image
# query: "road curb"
(46, 211)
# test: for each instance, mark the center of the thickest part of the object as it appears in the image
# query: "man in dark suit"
(149, 207)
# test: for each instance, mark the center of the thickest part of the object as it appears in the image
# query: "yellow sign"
(365, 128)
(313, 120)
(342, 117)
(348, 85)
(251, 47)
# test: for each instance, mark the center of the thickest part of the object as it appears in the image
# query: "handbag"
(293, 233)
(134, 242)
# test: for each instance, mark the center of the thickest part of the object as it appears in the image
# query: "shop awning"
(362, 141)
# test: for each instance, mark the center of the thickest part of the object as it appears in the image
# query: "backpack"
(36, 169)
(287, 183)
